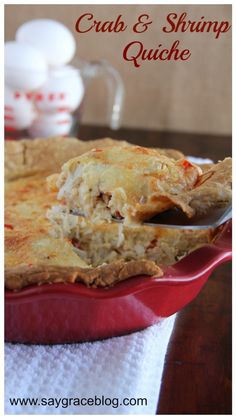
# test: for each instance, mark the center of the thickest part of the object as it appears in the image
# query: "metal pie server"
(176, 219)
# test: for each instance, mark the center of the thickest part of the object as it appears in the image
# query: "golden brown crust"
(28, 157)
(214, 188)
(19, 277)
(206, 166)
(170, 152)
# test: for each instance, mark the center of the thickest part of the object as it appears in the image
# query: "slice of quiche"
(132, 183)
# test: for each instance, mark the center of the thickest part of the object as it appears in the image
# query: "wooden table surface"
(197, 374)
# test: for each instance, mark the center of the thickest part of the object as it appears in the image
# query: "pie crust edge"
(20, 277)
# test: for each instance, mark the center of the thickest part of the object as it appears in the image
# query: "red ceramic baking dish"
(63, 313)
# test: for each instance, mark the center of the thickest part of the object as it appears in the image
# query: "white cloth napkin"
(123, 367)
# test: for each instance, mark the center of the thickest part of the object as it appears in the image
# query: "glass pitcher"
(55, 108)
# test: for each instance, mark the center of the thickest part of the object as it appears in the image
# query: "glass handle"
(115, 86)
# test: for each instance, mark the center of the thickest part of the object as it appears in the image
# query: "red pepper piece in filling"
(9, 226)
(152, 244)
(186, 164)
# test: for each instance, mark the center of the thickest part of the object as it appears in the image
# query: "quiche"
(45, 242)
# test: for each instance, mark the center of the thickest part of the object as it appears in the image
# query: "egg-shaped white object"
(52, 38)
(19, 111)
(47, 125)
(63, 91)
(25, 66)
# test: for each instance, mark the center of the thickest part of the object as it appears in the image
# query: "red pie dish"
(64, 313)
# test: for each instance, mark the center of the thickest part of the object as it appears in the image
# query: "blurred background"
(192, 96)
